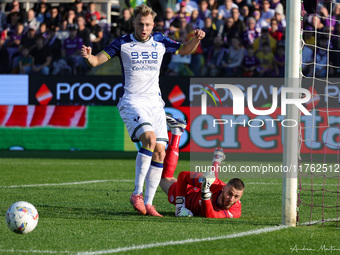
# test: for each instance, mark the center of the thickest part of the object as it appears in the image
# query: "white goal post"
(290, 144)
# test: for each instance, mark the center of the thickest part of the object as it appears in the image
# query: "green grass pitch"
(84, 208)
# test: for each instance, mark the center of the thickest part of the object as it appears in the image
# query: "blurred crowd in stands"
(244, 38)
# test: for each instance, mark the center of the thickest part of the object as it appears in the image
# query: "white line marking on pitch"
(163, 244)
(127, 180)
(154, 245)
(187, 241)
(36, 251)
(62, 184)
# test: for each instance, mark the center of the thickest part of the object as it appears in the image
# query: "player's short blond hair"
(144, 10)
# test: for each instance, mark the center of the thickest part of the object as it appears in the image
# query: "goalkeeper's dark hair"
(236, 183)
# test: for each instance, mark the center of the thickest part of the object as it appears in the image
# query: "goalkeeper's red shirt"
(204, 208)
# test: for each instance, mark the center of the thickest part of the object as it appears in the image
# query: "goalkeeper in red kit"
(197, 194)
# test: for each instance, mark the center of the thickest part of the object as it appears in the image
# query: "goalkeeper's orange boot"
(150, 210)
(137, 202)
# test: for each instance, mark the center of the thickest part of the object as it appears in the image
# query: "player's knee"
(158, 156)
(161, 155)
(148, 140)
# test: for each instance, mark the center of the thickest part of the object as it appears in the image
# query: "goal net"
(319, 134)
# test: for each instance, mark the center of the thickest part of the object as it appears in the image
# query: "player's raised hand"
(199, 34)
(86, 51)
(207, 180)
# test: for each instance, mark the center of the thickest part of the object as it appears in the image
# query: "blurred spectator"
(225, 9)
(13, 19)
(159, 26)
(210, 34)
(91, 11)
(53, 44)
(15, 7)
(169, 18)
(36, 6)
(335, 56)
(336, 11)
(43, 14)
(31, 20)
(255, 5)
(250, 63)
(250, 34)
(309, 35)
(59, 65)
(307, 60)
(279, 61)
(83, 31)
(79, 8)
(28, 39)
(70, 16)
(238, 25)
(25, 61)
(276, 5)
(232, 67)
(196, 21)
(4, 56)
(217, 22)
(267, 14)
(212, 4)
(244, 11)
(96, 35)
(266, 58)
(63, 32)
(54, 21)
(43, 30)
(280, 17)
(326, 19)
(14, 44)
(215, 55)
(260, 23)
(41, 57)
(321, 58)
(274, 30)
(183, 11)
(71, 49)
(229, 31)
(125, 25)
(265, 38)
(3, 18)
(15, 38)
(204, 12)
(316, 23)
(189, 6)
(182, 34)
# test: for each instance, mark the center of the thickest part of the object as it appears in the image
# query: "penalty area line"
(186, 241)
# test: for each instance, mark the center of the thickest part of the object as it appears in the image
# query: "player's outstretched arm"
(190, 47)
(207, 208)
(100, 58)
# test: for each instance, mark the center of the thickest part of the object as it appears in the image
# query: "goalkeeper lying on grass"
(197, 194)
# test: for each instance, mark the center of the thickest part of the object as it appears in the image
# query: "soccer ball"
(22, 217)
